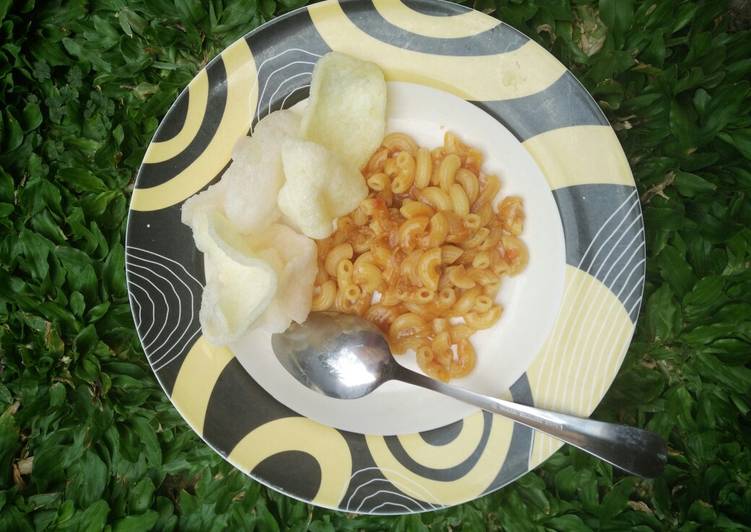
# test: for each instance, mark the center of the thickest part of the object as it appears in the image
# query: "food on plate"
(424, 254)
(293, 257)
(260, 267)
(342, 125)
(255, 175)
(347, 107)
(240, 284)
(319, 187)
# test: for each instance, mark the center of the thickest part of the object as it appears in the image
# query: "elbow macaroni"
(459, 200)
(423, 168)
(424, 255)
(336, 255)
(436, 198)
(447, 171)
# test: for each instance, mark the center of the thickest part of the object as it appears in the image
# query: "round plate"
(474, 57)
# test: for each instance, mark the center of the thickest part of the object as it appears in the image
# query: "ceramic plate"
(569, 317)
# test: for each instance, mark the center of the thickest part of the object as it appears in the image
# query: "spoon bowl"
(338, 355)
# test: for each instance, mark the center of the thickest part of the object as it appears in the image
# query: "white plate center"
(531, 300)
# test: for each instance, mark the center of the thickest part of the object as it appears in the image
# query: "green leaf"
(702, 512)
(148, 440)
(661, 312)
(617, 14)
(723, 107)
(85, 340)
(681, 126)
(675, 270)
(4, 5)
(264, 519)
(131, 22)
(705, 295)
(31, 116)
(136, 523)
(39, 194)
(48, 466)
(568, 523)
(140, 496)
(7, 187)
(680, 405)
(57, 394)
(81, 180)
(616, 500)
(5, 396)
(79, 269)
(13, 135)
(88, 479)
(35, 249)
(691, 184)
(683, 16)
(45, 224)
(77, 304)
(97, 312)
(741, 139)
(190, 9)
(114, 271)
(9, 443)
(737, 379)
(92, 519)
(13, 519)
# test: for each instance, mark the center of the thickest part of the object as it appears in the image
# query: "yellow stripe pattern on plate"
(521, 72)
(242, 96)
(463, 25)
(580, 155)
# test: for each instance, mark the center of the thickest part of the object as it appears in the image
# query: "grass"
(88, 441)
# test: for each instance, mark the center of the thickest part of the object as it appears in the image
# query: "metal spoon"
(347, 357)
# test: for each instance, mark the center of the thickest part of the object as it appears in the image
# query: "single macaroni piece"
(439, 230)
(411, 209)
(483, 320)
(324, 295)
(423, 256)
(368, 276)
(436, 198)
(344, 274)
(410, 229)
(469, 183)
(450, 254)
(399, 142)
(459, 199)
(423, 168)
(379, 182)
(447, 171)
(335, 256)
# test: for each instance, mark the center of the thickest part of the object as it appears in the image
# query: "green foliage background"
(88, 441)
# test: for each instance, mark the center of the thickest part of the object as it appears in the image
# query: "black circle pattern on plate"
(153, 174)
(448, 474)
(175, 119)
(284, 471)
(443, 435)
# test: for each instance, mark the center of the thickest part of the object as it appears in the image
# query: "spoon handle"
(634, 450)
